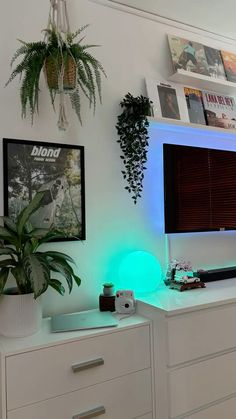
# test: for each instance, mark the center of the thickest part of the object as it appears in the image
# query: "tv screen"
(199, 188)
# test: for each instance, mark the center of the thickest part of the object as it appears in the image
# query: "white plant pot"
(20, 315)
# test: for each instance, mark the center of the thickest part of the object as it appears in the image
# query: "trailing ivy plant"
(132, 128)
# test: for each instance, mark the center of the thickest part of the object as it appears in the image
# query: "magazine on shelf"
(215, 63)
(195, 105)
(188, 55)
(229, 61)
(220, 110)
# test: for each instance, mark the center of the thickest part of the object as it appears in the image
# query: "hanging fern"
(132, 128)
(33, 56)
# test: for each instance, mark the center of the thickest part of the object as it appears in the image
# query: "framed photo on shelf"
(57, 169)
(168, 100)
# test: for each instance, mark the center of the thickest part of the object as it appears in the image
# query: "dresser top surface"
(175, 302)
(45, 338)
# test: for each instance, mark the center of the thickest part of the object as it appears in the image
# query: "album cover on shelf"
(215, 63)
(229, 60)
(220, 110)
(168, 100)
(188, 55)
(195, 105)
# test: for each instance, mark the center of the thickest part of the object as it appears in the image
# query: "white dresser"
(78, 375)
(194, 351)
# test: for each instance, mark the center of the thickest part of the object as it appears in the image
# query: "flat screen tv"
(199, 189)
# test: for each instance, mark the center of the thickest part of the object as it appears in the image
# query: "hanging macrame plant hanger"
(68, 65)
(60, 73)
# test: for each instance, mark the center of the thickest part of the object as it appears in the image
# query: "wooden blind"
(200, 189)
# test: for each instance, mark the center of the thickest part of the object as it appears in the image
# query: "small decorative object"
(107, 299)
(195, 283)
(170, 273)
(171, 269)
(132, 128)
(180, 276)
(58, 170)
(124, 302)
(33, 270)
(66, 62)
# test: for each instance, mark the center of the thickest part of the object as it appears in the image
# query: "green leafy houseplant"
(132, 128)
(63, 54)
(31, 268)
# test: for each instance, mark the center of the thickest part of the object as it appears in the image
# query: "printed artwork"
(195, 105)
(220, 110)
(57, 169)
(168, 102)
(229, 61)
(188, 55)
(215, 63)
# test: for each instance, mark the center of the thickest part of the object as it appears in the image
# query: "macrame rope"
(58, 17)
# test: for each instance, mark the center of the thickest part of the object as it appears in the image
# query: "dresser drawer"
(201, 384)
(127, 397)
(48, 372)
(201, 333)
(226, 409)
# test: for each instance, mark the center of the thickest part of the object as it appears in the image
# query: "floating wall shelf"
(188, 78)
(167, 124)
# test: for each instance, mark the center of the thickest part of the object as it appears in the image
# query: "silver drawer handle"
(87, 364)
(97, 411)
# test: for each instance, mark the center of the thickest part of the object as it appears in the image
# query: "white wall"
(133, 47)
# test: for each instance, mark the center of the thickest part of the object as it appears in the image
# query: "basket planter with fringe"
(52, 69)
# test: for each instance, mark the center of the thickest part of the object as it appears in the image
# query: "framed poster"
(57, 169)
(168, 100)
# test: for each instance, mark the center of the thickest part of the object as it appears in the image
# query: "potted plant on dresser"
(31, 269)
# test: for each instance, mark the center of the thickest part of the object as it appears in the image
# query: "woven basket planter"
(52, 69)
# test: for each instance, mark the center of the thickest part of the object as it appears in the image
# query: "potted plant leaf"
(68, 65)
(32, 270)
(132, 128)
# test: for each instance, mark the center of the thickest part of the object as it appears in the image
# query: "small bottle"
(107, 298)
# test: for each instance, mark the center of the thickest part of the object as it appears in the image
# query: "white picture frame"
(177, 110)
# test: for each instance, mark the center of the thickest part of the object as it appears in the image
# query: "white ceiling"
(217, 16)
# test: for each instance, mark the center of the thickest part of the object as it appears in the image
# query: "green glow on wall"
(140, 271)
